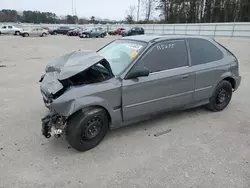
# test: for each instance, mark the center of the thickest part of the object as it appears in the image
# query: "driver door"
(169, 85)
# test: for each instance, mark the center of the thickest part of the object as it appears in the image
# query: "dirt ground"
(203, 150)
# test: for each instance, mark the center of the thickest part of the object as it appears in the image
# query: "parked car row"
(69, 31)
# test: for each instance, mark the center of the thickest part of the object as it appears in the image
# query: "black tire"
(87, 129)
(0, 33)
(26, 34)
(17, 33)
(221, 96)
(102, 35)
(54, 33)
(44, 35)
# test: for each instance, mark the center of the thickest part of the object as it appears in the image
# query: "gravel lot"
(204, 149)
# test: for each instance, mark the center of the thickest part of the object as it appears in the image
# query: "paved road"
(203, 150)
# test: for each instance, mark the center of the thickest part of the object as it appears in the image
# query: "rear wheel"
(44, 35)
(87, 129)
(221, 96)
(87, 36)
(26, 34)
(102, 35)
(55, 33)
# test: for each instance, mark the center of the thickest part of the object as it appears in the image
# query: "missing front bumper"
(53, 124)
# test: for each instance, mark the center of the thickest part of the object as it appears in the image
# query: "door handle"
(184, 77)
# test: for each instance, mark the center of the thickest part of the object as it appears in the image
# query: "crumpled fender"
(69, 107)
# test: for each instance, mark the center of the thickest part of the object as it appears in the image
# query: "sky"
(111, 9)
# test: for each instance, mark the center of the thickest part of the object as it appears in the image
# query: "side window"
(166, 55)
(4, 27)
(10, 27)
(203, 51)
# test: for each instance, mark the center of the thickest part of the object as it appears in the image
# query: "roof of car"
(149, 38)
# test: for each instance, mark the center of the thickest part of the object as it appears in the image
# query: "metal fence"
(207, 29)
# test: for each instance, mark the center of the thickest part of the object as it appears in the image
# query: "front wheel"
(102, 35)
(44, 35)
(221, 96)
(17, 33)
(87, 129)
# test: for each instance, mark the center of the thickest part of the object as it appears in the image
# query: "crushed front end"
(53, 124)
(70, 71)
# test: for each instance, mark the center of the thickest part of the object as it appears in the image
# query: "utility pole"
(138, 11)
(74, 11)
(72, 7)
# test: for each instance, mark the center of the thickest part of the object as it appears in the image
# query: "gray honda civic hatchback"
(131, 79)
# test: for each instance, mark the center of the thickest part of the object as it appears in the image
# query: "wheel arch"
(91, 107)
(231, 80)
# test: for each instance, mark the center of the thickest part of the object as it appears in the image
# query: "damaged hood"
(73, 63)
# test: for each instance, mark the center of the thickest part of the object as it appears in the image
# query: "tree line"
(191, 11)
(150, 11)
(38, 17)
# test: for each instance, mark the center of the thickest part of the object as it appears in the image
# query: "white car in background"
(36, 31)
(10, 29)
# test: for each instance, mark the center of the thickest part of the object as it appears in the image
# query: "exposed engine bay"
(94, 74)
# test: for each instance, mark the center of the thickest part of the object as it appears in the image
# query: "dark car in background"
(60, 30)
(133, 31)
(95, 32)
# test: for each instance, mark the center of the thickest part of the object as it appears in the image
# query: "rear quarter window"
(202, 51)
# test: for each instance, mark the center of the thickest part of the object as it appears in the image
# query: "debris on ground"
(163, 132)
(4, 66)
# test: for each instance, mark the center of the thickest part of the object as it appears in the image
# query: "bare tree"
(148, 8)
(130, 14)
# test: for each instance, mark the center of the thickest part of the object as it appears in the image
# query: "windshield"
(121, 53)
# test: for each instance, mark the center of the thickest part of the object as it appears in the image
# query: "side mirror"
(138, 72)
